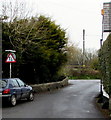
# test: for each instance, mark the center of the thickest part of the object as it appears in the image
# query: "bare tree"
(14, 9)
(12, 12)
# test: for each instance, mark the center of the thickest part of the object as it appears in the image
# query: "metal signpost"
(11, 58)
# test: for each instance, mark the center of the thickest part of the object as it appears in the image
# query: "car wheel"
(13, 100)
(31, 96)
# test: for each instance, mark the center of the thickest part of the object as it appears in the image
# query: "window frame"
(18, 80)
(15, 83)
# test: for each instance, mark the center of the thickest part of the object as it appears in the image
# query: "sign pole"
(11, 58)
(10, 69)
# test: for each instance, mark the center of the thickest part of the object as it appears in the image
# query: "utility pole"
(83, 47)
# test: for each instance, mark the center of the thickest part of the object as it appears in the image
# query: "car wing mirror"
(25, 85)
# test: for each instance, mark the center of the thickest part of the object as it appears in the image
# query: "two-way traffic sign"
(10, 58)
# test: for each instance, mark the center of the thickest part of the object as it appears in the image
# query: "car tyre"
(13, 100)
(31, 96)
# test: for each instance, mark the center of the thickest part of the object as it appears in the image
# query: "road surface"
(73, 101)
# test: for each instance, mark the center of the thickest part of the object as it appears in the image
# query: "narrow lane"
(73, 101)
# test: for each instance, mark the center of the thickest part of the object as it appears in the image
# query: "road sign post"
(10, 70)
(11, 58)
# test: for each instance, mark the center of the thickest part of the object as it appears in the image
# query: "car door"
(15, 88)
(24, 89)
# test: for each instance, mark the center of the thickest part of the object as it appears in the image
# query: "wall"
(50, 86)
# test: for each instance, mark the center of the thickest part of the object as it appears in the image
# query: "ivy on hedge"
(105, 64)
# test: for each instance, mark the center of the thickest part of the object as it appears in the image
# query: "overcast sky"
(74, 15)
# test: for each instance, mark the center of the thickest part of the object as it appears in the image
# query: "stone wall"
(50, 86)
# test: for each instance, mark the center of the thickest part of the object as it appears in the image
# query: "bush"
(105, 64)
(84, 73)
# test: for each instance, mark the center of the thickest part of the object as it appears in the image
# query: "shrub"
(105, 64)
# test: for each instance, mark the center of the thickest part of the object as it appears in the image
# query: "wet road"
(73, 101)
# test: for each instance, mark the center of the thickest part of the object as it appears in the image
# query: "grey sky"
(73, 15)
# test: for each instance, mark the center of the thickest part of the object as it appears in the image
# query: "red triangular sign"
(10, 58)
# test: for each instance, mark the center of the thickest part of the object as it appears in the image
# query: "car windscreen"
(3, 83)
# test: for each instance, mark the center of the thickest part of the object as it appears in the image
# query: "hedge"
(105, 64)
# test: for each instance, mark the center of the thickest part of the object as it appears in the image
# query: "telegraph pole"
(83, 47)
